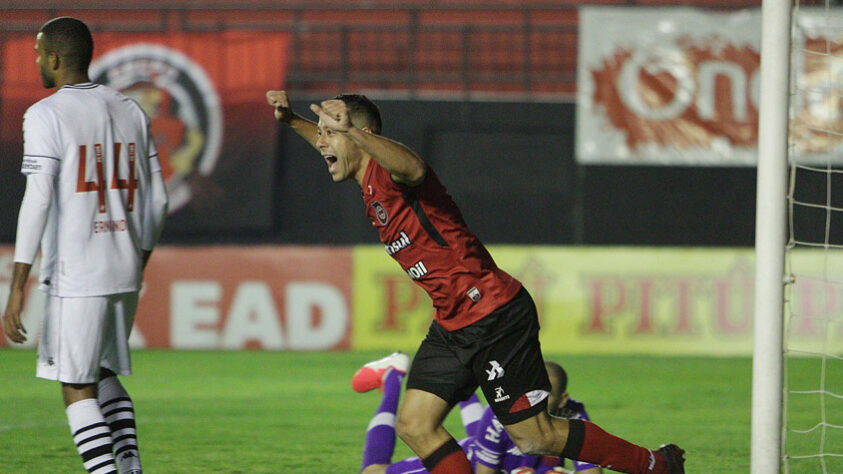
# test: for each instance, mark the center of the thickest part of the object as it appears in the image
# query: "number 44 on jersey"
(99, 186)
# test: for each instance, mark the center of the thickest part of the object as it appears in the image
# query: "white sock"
(92, 436)
(119, 413)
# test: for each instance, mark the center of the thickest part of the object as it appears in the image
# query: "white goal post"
(770, 237)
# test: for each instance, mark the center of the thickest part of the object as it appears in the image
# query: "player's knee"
(528, 445)
(410, 429)
(534, 443)
(405, 429)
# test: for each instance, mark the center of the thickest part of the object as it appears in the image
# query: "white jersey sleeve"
(32, 219)
(41, 164)
(157, 201)
(41, 149)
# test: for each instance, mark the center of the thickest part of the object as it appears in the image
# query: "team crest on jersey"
(380, 212)
(182, 104)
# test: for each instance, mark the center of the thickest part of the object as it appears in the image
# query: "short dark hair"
(362, 111)
(556, 370)
(71, 39)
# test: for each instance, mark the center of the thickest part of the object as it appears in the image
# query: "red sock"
(607, 450)
(448, 459)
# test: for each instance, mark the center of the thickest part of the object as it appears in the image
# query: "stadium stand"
(407, 46)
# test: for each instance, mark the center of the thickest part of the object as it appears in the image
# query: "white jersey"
(96, 144)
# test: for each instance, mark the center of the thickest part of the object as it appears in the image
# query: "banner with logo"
(276, 298)
(679, 86)
(205, 96)
(613, 300)
(817, 103)
(607, 300)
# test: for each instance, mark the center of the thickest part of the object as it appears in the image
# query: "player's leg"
(517, 388)
(115, 403)
(420, 426)
(370, 376)
(387, 374)
(471, 411)
(437, 380)
(585, 441)
(69, 352)
(118, 409)
(90, 434)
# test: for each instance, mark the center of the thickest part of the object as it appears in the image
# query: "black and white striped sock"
(92, 436)
(119, 413)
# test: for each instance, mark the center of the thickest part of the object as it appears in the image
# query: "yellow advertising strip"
(591, 300)
(608, 300)
(390, 311)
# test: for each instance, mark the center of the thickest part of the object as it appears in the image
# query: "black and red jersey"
(424, 231)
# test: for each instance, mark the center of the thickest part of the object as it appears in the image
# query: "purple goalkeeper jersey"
(493, 447)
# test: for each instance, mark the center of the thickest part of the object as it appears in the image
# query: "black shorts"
(500, 353)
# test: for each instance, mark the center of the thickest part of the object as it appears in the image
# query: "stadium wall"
(619, 300)
(509, 165)
(509, 160)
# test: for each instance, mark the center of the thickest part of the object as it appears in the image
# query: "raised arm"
(403, 164)
(284, 114)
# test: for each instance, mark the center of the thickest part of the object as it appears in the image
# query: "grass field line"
(24, 426)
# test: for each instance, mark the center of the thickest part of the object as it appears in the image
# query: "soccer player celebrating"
(488, 448)
(486, 326)
(95, 204)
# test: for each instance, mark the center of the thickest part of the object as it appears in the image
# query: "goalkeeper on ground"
(488, 447)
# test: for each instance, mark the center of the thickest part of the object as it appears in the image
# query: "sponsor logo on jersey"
(30, 165)
(474, 294)
(398, 244)
(496, 371)
(183, 108)
(417, 271)
(380, 213)
(484, 454)
(500, 395)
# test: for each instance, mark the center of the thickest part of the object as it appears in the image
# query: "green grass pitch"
(280, 412)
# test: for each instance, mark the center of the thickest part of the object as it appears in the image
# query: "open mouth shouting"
(332, 162)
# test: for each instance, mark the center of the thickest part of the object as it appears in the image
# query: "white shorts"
(80, 335)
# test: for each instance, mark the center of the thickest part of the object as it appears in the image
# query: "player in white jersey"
(95, 204)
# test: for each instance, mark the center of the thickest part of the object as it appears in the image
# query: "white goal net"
(812, 437)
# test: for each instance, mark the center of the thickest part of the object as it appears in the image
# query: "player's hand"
(12, 326)
(333, 114)
(281, 103)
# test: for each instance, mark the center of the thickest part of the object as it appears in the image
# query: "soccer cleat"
(370, 376)
(673, 455)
